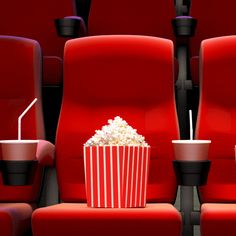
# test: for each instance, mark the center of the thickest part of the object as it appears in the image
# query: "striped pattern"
(116, 176)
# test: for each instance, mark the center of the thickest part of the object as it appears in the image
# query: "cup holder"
(17, 173)
(191, 173)
(67, 27)
(184, 26)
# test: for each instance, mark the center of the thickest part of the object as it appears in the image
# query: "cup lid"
(197, 141)
(19, 141)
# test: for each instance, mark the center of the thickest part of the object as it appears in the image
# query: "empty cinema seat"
(21, 74)
(216, 122)
(106, 76)
(214, 19)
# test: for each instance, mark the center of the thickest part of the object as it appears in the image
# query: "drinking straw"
(21, 116)
(191, 124)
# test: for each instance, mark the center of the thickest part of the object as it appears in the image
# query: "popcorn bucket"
(116, 176)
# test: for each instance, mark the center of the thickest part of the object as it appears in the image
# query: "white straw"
(21, 116)
(191, 124)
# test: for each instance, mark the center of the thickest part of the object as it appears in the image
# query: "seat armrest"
(71, 26)
(184, 26)
(45, 153)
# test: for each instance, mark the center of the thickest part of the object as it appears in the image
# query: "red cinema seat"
(214, 19)
(21, 72)
(216, 122)
(106, 76)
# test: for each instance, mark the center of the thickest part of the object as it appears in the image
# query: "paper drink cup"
(116, 176)
(191, 150)
(18, 150)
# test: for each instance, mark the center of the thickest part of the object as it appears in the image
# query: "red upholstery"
(105, 76)
(194, 66)
(52, 70)
(217, 115)
(151, 17)
(20, 62)
(104, 92)
(15, 218)
(20, 69)
(218, 219)
(35, 20)
(45, 153)
(216, 121)
(215, 18)
(69, 218)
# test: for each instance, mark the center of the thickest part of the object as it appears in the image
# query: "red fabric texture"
(15, 218)
(214, 19)
(52, 70)
(194, 65)
(77, 219)
(218, 219)
(129, 76)
(151, 18)
(217, 116)
(35, 20)
(45, 153)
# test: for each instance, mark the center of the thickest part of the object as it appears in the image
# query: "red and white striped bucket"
(116, 176)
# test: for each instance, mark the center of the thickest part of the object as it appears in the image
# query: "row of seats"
(113, 22)
(130, 76)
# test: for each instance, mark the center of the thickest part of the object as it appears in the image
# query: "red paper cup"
(116, 176)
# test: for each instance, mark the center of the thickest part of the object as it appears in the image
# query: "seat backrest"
(215, 18)
(106, 76)
(152, 17)
(21, 73)
(217, 116)
(35, 20)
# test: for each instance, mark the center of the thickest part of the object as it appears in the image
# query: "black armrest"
(17, 173)
(184, 26)
(70, 27)
(191, 173)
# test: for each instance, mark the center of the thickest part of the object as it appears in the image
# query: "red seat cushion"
(15, 218)
(77, 219)
(218, 219)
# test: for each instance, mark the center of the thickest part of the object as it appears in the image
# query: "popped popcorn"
(117, 132)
